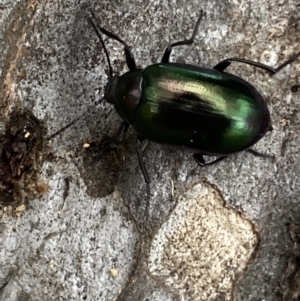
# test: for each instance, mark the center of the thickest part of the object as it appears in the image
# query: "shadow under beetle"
(208, 111)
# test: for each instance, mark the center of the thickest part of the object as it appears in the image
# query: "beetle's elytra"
(208, 111)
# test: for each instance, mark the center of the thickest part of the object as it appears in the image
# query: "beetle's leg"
(168, 50)
(128, 54)
(224, 64)
(257, 154)
(139, 140)
(201, 162)
(122, 131)
(130, 61)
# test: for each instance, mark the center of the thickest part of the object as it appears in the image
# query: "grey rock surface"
(74, 225)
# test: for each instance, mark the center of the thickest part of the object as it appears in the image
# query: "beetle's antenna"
(110, 76)
(101, 41)
(75, 120)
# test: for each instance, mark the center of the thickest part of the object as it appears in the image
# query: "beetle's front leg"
(122, 131)
(128, 54)
(130, 61)
(201, 162)
(139, 140)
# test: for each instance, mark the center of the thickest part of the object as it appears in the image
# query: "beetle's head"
(124, 93)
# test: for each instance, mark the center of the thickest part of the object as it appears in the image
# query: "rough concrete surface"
(77, 223)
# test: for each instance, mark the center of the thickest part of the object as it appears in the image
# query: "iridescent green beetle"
(205, 110)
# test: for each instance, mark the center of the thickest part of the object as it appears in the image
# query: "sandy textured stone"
(81, 213)
(204, 247)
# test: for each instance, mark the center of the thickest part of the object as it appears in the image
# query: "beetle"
(208, 111)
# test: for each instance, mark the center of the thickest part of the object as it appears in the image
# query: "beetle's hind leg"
(168, 50)
(258, 154)
(225, 63)
(201, 162)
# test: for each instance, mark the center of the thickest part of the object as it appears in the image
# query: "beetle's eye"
(107, 88)
(108, 93)
(110, 89)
